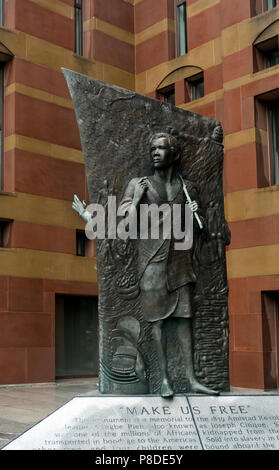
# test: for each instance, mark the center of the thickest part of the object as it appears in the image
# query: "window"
(272, 58)
(1, 12)
(78, 27)
(84, 246)
(5, 229)
(167, 94)
(1, 124)
(269, 4)
(194, 87)
(274, 137)
(80, 243)
(182, 85)
(267, 125)
(270, 335)
(2, 229)
(5, 56)
(260, 6)
(266, 48)
(183, 91)
(181, 27)
(266, 54)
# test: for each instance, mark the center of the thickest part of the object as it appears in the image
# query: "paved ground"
(23, 406)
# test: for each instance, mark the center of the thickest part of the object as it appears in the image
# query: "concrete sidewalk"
(22, 406)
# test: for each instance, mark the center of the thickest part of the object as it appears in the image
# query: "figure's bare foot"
(166, 390)
(197, 387)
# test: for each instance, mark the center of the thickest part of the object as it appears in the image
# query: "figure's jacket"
(179, 262)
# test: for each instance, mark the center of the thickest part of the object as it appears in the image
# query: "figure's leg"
(184, 334)
(160, 346)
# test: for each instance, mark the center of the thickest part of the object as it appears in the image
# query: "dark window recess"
(5, 229)
(181, 27)
(266, 54)
(167, 94)
(1, 234)
(1, 124)
(267, 122)
(260, 6)
(273, 58)
(269, 4)
(198, 89)
(194, 87)
(270, 335)
(78, 28)
(1, 12)
(274, 136)
(80, 243)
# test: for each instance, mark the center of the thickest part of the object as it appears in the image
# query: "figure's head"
(164, 150)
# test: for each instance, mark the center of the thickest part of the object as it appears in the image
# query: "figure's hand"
(140, 188)
(193, 206)
(78, 206)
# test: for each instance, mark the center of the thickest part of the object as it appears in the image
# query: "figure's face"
(161, 153)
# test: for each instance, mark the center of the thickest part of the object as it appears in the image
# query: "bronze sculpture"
(115, 127)
(166, 277)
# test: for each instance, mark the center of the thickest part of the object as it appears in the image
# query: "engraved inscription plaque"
(154, 423)
(238, 422)
(114, 423)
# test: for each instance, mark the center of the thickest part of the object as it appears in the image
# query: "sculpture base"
(153, 423)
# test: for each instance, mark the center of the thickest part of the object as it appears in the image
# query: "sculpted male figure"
(166, 275)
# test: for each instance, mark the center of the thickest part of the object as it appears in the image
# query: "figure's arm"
(140, 187)
(133, 194)
(196, 208)
(80, 208)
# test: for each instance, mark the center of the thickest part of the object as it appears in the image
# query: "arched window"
(266, 47)
(182, 85)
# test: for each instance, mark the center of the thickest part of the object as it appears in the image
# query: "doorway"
(76, 336)
(270, 331)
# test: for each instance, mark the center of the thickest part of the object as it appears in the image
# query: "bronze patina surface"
(163, 313)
